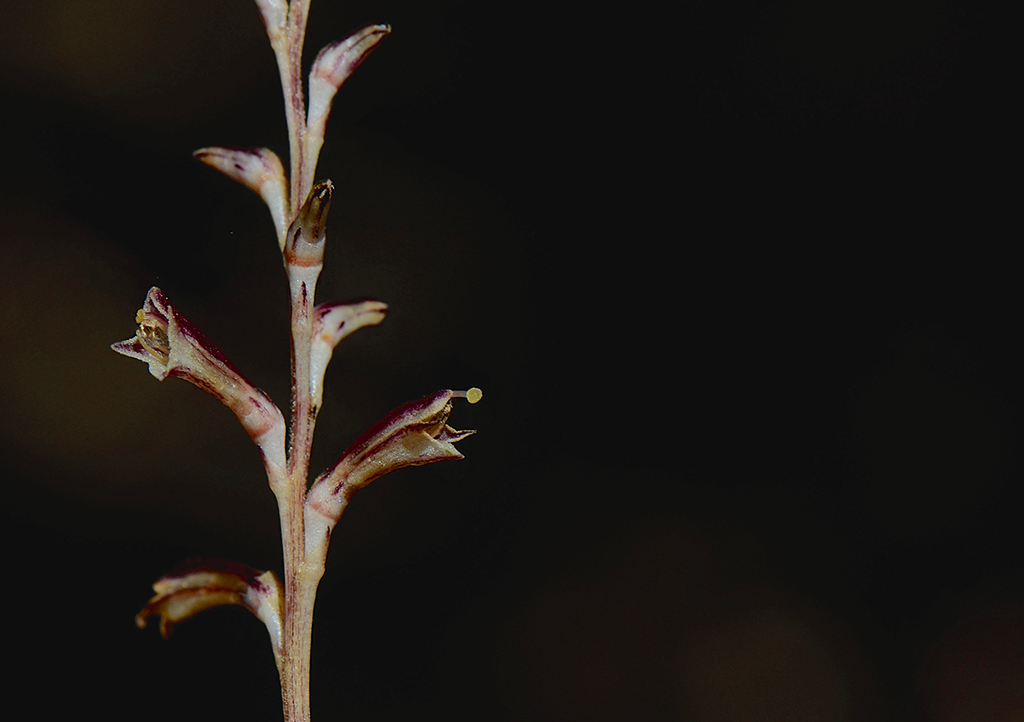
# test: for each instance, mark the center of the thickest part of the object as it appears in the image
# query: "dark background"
(739, 285)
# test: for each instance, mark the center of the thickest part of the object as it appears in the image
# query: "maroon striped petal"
(331, 323)
(259, 170)
(332, 67)
(200, 584)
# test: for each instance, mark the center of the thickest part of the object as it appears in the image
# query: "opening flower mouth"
(172, 346)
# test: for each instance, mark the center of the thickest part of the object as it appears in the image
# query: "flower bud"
(331, 323)
(304, 243)
(259, 170)
(332, 67)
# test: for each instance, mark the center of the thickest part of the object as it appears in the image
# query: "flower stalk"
(414, 434)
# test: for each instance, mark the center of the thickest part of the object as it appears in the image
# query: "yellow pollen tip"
(139, 315)
(474, 395)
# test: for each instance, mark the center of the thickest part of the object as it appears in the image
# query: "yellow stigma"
(472, 396)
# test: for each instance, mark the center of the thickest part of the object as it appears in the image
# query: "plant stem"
(298, 616)
(300, 585)
(301, 597)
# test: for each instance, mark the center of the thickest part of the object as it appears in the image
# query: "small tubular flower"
(259, 170)
(332, 67)
(331, 323)
(411, 435)
(172, 346)
(199, 584)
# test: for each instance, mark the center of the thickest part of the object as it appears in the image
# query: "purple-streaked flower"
(259, 170)
(199, 584)
(411, 435)
(332, 67)
(331, 323)
(172, 346)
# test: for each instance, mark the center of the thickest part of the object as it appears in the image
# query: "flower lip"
(151, 342)
(338, 319)
(159, 321)
(237, 575)
(428, 415)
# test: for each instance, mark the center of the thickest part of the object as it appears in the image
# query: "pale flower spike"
(415, 433)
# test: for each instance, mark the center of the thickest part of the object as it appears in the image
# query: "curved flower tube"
(332, 67)
(200, 584)
(331, 323)
(414, 434)
(259, 170)
(172, 346)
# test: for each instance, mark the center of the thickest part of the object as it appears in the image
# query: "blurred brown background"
(738, 282)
